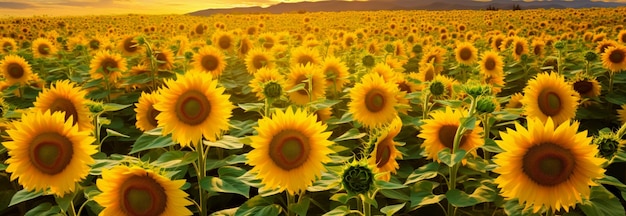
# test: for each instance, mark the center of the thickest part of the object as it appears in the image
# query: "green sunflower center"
(43, 49)
(193, 107)
(617, 56)
(224, 42)
(129, 45)
(549, 103)
(50, 152)
(259, 61)
(108, 65)
(142, 196)
(490, 64)
(465, 54)
(375, 100)
(548, 164)
(290, 149)
(583, 87)
(65, 105)
(209, 62)
(151, 117)
(15, 70)
(383, 152)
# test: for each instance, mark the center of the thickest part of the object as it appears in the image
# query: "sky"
(107, 7)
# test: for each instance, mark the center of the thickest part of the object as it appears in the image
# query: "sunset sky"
(97, 7)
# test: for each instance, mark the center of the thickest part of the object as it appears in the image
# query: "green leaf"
(321, 104)
(514, 208)
(485, 193)
(255, 205)
(339, 211)
(230, 160)
(422, 194)
(115, 133)
(491, 146)
(396, 194)
(343, 198)
(96, 168)
(44, 209)
(427, 171)
(228, 182)
(388, 185)
(602, 202)
(112, 107)
(227, 142)
(256, 107)
(151, 140)
(469, 123)
(616, 98)
(350, 135)
(24, 195)
(450, 103)
(302, 207)
(269, 210)
(297, 88)
(392, 209)
(64, 201)
(345, 118)
(175, 159)
(451, 159)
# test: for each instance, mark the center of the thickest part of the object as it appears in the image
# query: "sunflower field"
(342, 113)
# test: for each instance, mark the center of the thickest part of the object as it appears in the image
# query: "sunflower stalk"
(367, 207)
(425, 108)
(153, 64)
(621, 131)
(487, 126)
(201, 175)
(291, 200)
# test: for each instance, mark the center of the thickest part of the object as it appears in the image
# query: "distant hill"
(373, 5)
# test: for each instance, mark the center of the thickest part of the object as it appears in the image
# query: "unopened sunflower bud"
(608, 144)
(272, 90)
(357, 178)
(559, 45)
(485, 105)
(591, 56)
(368, 61)
(437, 88)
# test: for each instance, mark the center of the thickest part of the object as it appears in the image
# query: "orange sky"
(98, 7)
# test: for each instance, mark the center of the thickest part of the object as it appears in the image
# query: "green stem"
(267, 107)
(621, 131)
(611, 78)
(367, 207)
(487, 130)
(80, 210)
(550, 212)
(201, 174)
(425, 108)
(72, 210)
(291, 199)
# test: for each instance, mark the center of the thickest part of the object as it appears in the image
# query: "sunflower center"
(519, 48)
(43, 49)
(548, 164)
(583, 87)
(349, 41)
(50, 152)
(289, 149)
(7, 46)
(430, 74)
(209, 62)
(383, 152)
(403, 86)
(142, 196)
(129, 45)
(537, 50)
(151, 117)
(193, 107)
(15, 70)
(259, 61)
(490, 64)
(305, 59)
(549, 103)
(446, 135)
(375, 100)
(224, 42)
(94, 44)
(617, 56)
(498, 43)
(65, 105)
(108, 65)
(162, 58)
(465, 54)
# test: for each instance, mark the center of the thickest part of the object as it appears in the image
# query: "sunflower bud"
(559, 45)
(389, 48)
(95, 107)
(368, 61)
(591, 56)
(608, 144)
(417, 49)
(272, 90)
(188, 55)
(437, 88)
(476, 90)
(357, 178)
(485, 105)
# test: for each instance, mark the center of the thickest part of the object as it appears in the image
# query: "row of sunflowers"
(345, 113)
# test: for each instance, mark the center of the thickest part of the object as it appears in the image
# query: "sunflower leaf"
(64, 201)
(256, 107)
(343, 198)
(227, 142)
(44, 209)
(427, 171)
(301, 207)
(451, 159)
(349, 135)
(469, 123)
(296, 88)
(151, 141)
(392, 209)
(422, 194)
(389, 185)
(115, 133)
(24, 195)
(602, 202)
(112, 107)
(339, 211)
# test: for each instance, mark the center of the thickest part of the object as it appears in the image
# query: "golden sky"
(99, 7)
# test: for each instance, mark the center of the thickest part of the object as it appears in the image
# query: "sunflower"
(336, 73)
(258, 58)
(465, 53)
(129, 46)
(299, 74)
(133, 190)
(587, 87)
(223, 40)
(65, 97)
(43, 48)
(146, 114)
(621, 113)
(268, 40)
(520, 47)
(245, 46)
(496, 81)
(111, 65)
(15, 69)
(7, 45)
(349, 40)
(385, 71)
(261, 83)
(209, 59)
(621, 36)
(290, 143)
(47, 151)
(603, 45)
(547, 165)
(548, 95)
(538, 47)
(497, 42)
(436, 56)
(373, 47)
(96, 44)
(614, 58)
(491, 63)
(438, 133)
(515, 101)
(164, 58)
(384, 154)
(303, 55)
(324, 114)
(373, 101)
(426, 72)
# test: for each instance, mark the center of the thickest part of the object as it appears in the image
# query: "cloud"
(16, 5)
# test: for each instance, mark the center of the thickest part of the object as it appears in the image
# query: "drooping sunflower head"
(133, 190)
(439, 131)
(209, 59)
(491, 63)
(372, 101)
(465, 53)
(223, 40)
(15, 69)
(48, 151)
(268, 83)
(384, 154)
(312, 78)
(65, 96)
(193, 107)
(146, 114)
(42, 47)
(7, 45)
(614, 58)
(548, 95)
(107, 65)
(303, 56)
(258, 58)
(556, 162)
(290, 143)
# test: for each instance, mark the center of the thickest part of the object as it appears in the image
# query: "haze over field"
(105, 7)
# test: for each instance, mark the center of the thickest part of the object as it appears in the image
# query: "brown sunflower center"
(349, 41)
(259, 61)
(301, 79)
(94, 44)
(50, 152)
(583, 87)
(429, 75)
(129, 45)
(142, 196)
(65, 105)
(151, 117)
(519, 48)
(108, 65)
(209, 62)
(305, 59)
(537, 50)
(269, 43)
(490, 64)
(403, 86)
(15, 70)
(289, 149)
(617, 56)
(603, 47)
(549, 102)
(162, 58)
(383, 152)
(375, 100)
(43, 49)
(224, 42)
(446, 136)
(465, 54)
(548, 164)
(193, 107)
(498, 42)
